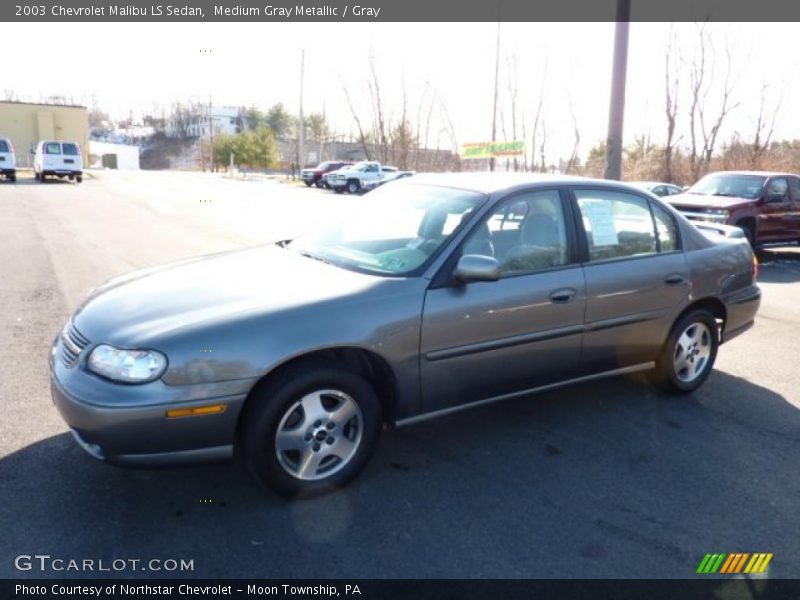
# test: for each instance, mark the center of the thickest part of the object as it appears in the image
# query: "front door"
(775, 217)
(486, 340)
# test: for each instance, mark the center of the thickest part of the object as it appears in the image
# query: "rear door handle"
(562, 296)
(674, 279)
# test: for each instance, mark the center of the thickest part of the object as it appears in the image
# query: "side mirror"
(475, 267)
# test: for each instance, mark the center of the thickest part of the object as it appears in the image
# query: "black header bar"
(370, 11)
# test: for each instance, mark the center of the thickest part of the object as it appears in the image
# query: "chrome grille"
(72, 344)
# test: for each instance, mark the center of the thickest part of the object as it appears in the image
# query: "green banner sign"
(492, 149)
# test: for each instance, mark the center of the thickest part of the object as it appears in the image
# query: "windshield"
(393, 230)
(740, 186)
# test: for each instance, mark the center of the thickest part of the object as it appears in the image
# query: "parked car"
(58, 158)
(8, 160)
(658, 188)
(355, 178)
(314, 176)
(390, 174)
(765, 205)
(429, 296)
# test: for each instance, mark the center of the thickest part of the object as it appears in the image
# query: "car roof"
(757, 173)
(496, 182)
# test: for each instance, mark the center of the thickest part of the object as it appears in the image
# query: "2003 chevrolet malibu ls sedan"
(428, 296)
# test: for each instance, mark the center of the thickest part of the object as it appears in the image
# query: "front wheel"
(353, 187)
(79, 178)
(688, 354)
(319, 183)
(308, 183)
(311, 430)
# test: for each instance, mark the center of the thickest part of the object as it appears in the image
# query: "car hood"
(151, 304)
(708, 201)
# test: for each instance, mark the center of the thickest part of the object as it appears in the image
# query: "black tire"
(42, 178)
(319, 183)
(748, 233)
(666, 375)
(272, 402)
(78, 178)
(12, 178)
(308, 183)
(353, 186)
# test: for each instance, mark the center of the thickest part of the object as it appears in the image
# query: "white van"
(8, 162)
(62, 159)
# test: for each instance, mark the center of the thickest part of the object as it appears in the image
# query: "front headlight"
(129, 366)
(717, 211)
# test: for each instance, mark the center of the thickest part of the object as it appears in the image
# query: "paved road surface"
(609, 479)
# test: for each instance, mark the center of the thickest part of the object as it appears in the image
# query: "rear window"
(52, 148)
(70, 149)
(4, 147)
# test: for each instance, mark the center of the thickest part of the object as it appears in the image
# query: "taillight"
(755, 267)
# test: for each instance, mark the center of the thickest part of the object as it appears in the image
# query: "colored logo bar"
(738, 562)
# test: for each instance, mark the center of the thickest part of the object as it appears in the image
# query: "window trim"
(583, 240)
(444, 275)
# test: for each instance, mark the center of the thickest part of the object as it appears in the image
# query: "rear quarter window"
(70, 149)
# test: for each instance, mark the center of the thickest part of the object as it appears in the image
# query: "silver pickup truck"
(359, 177)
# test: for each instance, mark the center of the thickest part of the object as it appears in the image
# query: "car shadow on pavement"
(608, 479)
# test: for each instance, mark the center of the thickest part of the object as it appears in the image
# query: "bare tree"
(573, 162)
(536, 120)
(361, 137)
(765, 125)
(703, 127)
(672, 87)
(379, 118)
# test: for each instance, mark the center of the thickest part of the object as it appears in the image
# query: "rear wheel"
(78, 178)
(12, 178)
(312, 429)
(688, 354)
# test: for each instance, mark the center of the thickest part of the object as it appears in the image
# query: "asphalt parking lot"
(609, 479)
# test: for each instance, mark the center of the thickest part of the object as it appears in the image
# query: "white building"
(104, 155)
(223, 119)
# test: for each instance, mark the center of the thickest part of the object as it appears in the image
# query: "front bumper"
(128, 424)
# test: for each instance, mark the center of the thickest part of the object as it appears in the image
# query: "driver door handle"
(562, 296)
(674, 278)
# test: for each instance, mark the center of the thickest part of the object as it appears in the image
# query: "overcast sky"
(136, 65)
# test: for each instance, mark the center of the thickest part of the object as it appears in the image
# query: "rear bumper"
(8, 171)
(62, 172)
(742, 307)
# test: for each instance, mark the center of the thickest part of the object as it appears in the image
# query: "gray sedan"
(431, 295)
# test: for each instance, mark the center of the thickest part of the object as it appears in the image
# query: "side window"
(794, 185)
(525, 233)
(777, 189)
(52, 148)
(618, 225)
(660, 190)
(665, 229)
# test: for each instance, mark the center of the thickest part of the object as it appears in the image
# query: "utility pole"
(211, 167)
(616, 111)
(301, 125)
(496, 81)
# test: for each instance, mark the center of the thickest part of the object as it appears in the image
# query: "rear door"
(637, 278)
(71, 156)
(794, 217)
(488, 340)
(52, 159)
(6, 155)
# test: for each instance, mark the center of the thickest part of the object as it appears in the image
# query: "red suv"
(765, 205)
(314, 176)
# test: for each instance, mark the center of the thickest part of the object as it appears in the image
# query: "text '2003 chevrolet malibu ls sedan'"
(428, 296)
